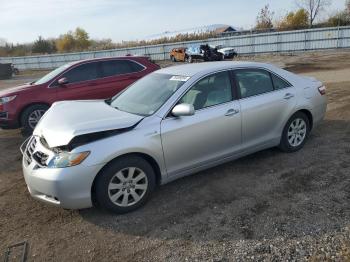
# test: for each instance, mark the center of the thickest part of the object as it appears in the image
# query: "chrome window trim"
(200, 110)
(199, 79)
(264, 69)
(165, 116)
(97, 61)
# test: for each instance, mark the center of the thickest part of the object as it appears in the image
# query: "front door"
(212, 133)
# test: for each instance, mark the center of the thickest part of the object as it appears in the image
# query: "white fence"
(290, 41)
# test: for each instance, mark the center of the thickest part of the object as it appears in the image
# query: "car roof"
(207, 67)
(130, 57)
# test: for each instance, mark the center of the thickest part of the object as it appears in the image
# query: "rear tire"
(31, 116)
(125, 185)
(190, 59)
(295, 133)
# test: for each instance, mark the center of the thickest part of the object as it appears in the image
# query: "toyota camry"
(171, 123)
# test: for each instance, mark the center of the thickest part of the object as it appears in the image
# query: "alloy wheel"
(296, 132)
(34, 117)
(127, 187)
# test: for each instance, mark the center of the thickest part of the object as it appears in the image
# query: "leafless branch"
(313, 8)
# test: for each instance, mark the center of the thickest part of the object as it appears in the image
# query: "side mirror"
(63, 81)
(183, 110)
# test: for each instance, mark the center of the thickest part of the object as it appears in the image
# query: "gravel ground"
(269, 206)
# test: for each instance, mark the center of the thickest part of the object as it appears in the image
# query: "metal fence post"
(252, 43)
(164, 57)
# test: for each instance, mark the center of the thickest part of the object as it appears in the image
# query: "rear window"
(252, 82)
(119, 67)
(279, 83)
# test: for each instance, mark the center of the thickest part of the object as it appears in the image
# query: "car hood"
(67, 119)
(14, 90)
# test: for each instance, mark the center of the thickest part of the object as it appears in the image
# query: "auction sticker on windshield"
(179, 78)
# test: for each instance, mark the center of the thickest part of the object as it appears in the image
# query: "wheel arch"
(147, 157)
(309, 116)
(26, 107)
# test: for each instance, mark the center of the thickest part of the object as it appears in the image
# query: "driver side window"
(81, 73)
(209, 91)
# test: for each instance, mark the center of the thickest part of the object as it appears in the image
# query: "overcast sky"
(24, 20)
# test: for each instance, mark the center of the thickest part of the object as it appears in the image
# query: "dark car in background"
(101, 78)
(203, 52)
(6, 71)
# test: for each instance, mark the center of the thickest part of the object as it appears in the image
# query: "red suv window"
(119, 67)
(81, 73)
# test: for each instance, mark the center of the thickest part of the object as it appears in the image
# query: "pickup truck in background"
(226, 51)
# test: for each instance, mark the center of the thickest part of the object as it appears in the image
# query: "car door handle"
(231, 112)
(288, 96)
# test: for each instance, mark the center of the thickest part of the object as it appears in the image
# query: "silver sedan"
(171, 123)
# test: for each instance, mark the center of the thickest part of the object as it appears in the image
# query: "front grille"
(40, 158)
(4, 115)
(28, 154)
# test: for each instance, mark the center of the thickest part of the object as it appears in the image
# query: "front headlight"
(6, 99)
(66, 159)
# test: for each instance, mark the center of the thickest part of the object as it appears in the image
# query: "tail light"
(322, 90)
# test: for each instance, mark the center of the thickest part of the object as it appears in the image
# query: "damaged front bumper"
(68, 187)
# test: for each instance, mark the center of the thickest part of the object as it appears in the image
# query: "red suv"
(23, 106)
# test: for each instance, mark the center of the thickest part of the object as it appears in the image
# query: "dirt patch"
(267, 206)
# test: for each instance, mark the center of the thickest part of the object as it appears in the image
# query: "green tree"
(264, 18)
(42, 46)
(339, 19)
(81, 38)
(73, 41)
(103, 44)
(65, 42)
(294, 20)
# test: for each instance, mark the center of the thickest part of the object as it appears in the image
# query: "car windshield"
(148, 94)
(52, 74)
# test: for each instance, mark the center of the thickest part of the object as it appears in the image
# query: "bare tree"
(264, 18)
(348, 6)
(313, 8)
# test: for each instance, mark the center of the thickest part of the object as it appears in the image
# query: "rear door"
(116, 75)
(82, 82)
(266, 103)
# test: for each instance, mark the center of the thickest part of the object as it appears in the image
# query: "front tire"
(125, 185)
(295, 133)
(190, 59)
(172, 58)
(31, 116)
